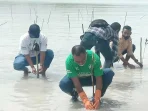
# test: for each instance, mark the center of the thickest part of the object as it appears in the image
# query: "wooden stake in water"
(125, 18)
(3, 23)
(36, 19)
(37, 64)
(78, 13)
(11, 13)
(69, 22)
(141, 61)
(36, 49)
(81, 15)
(86, 9)
(83, 28)
(92, 78)
(93, 92)
(42, 24)
(146, 42)
(35, 12)
(49, 17)
(30, 12)
(142, 16)
(92, 17)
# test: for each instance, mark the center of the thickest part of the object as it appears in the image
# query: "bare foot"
(140, 64)
(124, 65)
(131, 66)
(26, 71)
(43, 75)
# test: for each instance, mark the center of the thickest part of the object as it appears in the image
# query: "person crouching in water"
(126, 47)
(81, 65)
(27, 52)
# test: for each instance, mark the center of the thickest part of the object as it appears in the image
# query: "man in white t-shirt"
(27, 54)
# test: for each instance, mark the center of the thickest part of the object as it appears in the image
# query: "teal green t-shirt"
(75, 70)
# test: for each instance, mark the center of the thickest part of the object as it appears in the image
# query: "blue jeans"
(20, 61)
(67, 85)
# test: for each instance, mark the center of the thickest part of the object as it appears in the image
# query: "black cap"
(34, 31)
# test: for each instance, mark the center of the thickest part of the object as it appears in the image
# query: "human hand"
(33, 70)
(41, 69)
(88, 105)
(96, 104)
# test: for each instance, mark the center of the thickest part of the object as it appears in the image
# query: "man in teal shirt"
(80, 65)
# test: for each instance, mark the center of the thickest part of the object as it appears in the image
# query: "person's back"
(100, 36)
(105, 33)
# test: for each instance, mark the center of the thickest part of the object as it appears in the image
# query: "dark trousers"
(101, 46)
(133, 48)
(125, 52)
(20, 61)
(67, 85)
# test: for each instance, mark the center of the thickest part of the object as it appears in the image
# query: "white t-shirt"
(26, 44)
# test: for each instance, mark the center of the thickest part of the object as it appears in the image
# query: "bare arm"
(99, 83)
(133, 57)
(124, 61)
(29, 61)
(130, 51)
(77, 84)
(136, 61)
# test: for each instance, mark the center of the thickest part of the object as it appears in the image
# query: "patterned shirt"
(107, 34)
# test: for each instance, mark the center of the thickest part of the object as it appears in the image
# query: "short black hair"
(127, 27)
(77, 50)
(116, 26)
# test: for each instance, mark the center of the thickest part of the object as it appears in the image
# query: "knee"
(66, 84)
(17, 66)
(50, 53)
(109, 74)
(62, 85)
(19, 62)
(134, 47)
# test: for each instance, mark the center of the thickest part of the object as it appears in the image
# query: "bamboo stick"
(125, 18)
(69, 22)
(49, 17)
(141, 61)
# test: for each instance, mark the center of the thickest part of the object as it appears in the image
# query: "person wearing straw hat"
(84, 69)
(126, 47)
(100, 34)
(27, 53)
